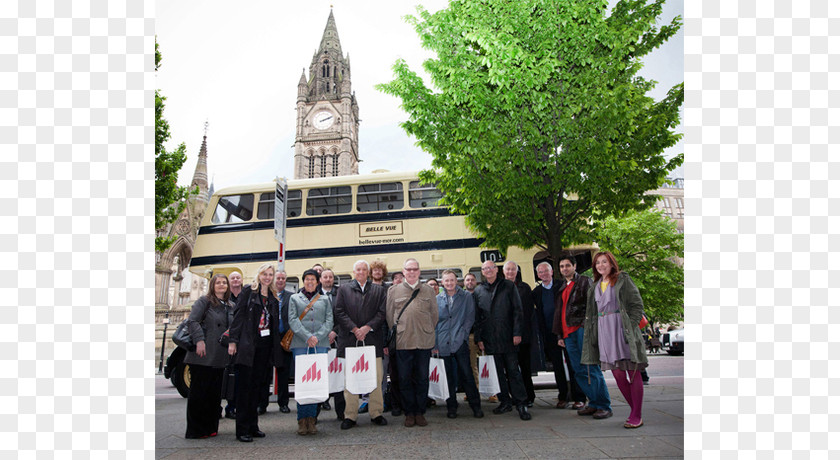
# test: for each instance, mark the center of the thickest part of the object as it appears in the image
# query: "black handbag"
(181, 336)
(391, 338)
(229, 381)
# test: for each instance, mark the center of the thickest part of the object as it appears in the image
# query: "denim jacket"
(455, 322)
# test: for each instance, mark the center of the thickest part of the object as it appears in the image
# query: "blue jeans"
(458, 368)
(413, 368)
(589, 377)
(307, 410)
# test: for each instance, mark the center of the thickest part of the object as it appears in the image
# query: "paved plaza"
(552, 433)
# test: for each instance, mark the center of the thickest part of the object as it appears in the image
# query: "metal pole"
(163, 342)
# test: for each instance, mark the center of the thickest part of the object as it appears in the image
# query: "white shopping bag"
(438, 386)
(488, 379)
(312, 383)
(336, 371)
(360, 376)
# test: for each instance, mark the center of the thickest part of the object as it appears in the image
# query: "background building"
(671, 201)
(327, 135)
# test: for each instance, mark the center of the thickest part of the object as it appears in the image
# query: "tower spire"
(200, 176)
(330, 41)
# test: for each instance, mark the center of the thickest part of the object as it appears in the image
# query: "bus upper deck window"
(234, 208)
(423, 196)
(328, 200)
(265, 208)
(293, 202)
(379, 197)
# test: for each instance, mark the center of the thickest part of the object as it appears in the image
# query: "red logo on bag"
(361, 365)
(435, 376)
(485, 374)
(312, 374)
(335, 366)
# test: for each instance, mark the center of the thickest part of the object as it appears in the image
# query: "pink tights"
(630, 384)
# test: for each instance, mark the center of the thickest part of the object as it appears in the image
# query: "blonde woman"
(252, 334)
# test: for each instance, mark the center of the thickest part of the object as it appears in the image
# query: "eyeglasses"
(487, 269)
(411, 269)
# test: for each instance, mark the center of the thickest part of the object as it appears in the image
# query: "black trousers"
(510, 379)
(524, 356)
(393, 395)
(283, 374)
(459, 369)
(248, 391)
(203, 401)
(414, 379)
(265, 385)
(556, 354)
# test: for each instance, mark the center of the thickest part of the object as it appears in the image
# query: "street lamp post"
(163, 341)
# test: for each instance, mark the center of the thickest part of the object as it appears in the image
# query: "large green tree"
(648, 246)
(538, 122)
(170, 199)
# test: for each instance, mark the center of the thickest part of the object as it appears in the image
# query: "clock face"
(323, 120)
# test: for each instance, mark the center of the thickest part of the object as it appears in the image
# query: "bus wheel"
(181, 379)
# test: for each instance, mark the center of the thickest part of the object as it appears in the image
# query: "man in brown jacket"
(415, 339)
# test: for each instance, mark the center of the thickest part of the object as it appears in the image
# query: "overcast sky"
(237, 66)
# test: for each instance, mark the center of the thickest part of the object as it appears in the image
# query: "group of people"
(594, 324)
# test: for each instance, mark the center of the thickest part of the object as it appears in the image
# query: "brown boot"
(310, 425)
(420, 420)
(302, 427)
(409, 421)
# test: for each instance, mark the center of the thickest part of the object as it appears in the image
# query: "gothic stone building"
(327, 135)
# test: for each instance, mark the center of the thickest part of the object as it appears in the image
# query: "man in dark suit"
(360, 312)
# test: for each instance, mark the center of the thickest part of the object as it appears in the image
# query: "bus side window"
(234, 208)
(379, 197)
(293, 202)
(424, 196)
(328, 200)
(265, 208)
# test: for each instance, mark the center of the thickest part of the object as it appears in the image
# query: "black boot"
(523, 412)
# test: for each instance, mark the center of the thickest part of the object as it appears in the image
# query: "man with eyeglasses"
(415, 339)
(498, 332)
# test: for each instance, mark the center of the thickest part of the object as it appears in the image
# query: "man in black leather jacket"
(498, 331)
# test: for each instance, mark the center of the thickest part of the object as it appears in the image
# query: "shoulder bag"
(181, 336)
(391, 340)
(286, 343)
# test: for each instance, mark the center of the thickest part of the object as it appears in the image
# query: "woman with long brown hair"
(611, 334)
(207, 322)
(252, 334)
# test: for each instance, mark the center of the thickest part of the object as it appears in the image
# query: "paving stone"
(635, 446)
(472, 434)
(560, 448)
(312, 452)
(220, 453)
(521, 432)
(410, 451)
(485, 450)
(163, 453)
(676, 441)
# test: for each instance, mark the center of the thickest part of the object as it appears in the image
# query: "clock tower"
(327, 135)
